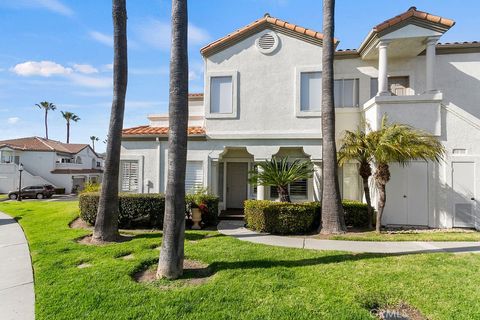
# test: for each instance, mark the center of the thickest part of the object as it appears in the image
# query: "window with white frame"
(346, 93)
(221, 95)
(194, 176)
(129, 175)
(310, 91)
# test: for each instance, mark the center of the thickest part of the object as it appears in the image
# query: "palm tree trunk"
(365, 172)
(283, 193)
(46, 123)
(333, 220)
(382, 176)
(170, 264)
(68, 132)
(106, 224)
(93, 145)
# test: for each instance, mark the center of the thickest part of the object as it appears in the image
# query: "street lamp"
(20, 169)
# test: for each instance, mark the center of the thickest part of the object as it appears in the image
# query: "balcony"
(71, 165)
(420, 111)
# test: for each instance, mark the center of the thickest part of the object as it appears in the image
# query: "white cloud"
(40, 68)
(13, 120)
(52, 5)
(107, 67)
(102, 38)
(91, 82)
(157, 34)
(84, 68)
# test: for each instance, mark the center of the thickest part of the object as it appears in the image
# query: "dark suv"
(38, 192)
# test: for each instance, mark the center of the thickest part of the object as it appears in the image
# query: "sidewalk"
(235, 229)
(17, 297)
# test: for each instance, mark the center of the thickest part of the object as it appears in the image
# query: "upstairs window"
(398, 86)
(346, 93)
(221, 95)
(310, 91)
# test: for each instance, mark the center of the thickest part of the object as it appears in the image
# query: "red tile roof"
(162, 131)
(412, 12)
(41, 144)
(266, 21)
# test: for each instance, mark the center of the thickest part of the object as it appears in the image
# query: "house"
(262, 98)
(46, 161)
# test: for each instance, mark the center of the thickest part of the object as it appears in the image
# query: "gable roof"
(159, 131)
(41, 144)
(267, 22)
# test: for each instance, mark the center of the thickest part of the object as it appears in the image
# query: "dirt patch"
(80, 224)
(130, 256)
(401, 311)
(88, 240)
(194, 273)
(84, 265)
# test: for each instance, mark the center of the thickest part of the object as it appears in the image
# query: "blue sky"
(61, 51)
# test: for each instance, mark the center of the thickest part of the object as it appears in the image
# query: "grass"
(448, 235)
(250, 281)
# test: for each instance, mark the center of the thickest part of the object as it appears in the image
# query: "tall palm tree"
(357, 146)
(333, 220)
(399, 143)
(170, 264)
(46, 106)
(280, 173)
(106, 223)
(94, 138)
(69, 116)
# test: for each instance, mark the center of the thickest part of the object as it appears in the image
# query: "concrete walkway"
(17, 297)
(237, 230)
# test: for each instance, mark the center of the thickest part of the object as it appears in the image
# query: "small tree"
(280, 173)
(400, 143)
(69, 116)
(94, 138)
(46, 106)
(357, 146)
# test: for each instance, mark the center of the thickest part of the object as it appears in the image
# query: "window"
(398, 86)
(297, 190)
(350, 182)
(194, 176)
(346, 93)
(129, 176)
(310, 91)
(221, 95)
(7, 157)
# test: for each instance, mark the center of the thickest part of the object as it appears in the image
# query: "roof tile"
(148, 130)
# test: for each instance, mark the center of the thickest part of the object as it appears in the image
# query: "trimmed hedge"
(143, 210)
(297, 218)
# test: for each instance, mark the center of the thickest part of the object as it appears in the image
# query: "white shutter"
(194, 176)
(129, 177)
(221, 95)
(311, 91)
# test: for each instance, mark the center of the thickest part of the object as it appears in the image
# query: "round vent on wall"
(267, 42)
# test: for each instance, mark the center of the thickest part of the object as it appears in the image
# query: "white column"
(430, 64)
(383, 68)
(260, 188)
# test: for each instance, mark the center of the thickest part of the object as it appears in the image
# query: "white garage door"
(407, 195)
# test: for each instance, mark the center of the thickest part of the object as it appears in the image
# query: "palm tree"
(280, 173)
(46, 106)
(170, 264)
(333, 220)
(94, 138)
(357, 146)
(400, 143)
(69, 116)
(106, 223)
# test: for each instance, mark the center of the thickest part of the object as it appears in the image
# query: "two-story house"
(262, 98)
(46, 161)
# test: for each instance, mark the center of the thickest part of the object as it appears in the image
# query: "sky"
(61, 51)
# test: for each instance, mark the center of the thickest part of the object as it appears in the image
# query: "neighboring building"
(45, 161)
(262, 98)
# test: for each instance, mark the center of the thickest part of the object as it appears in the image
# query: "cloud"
(157, 34)
(40, 68)
(55, 6)
(102, 38)
(13, 120)
(84, 68)
(91, 82)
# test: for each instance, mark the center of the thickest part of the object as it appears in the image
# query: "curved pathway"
(236, 229)
(17, 297)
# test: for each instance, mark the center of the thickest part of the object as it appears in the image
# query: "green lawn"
(251, 281)
(451, 235)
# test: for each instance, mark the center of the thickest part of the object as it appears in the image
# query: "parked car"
(38, 192)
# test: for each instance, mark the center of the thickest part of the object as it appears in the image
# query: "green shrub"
(91, 187)
(281, 217)
(135, 210)
(297, 218)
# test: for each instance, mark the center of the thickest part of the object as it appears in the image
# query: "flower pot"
(196, 218)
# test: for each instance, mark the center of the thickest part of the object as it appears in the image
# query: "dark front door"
(237, 175)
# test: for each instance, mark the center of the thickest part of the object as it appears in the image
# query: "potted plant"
(197, 207)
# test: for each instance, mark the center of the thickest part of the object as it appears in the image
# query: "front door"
(237, 175)
(463, 183)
